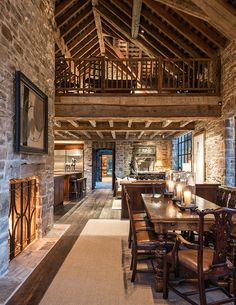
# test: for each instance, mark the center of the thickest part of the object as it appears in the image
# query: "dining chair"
(144, 243)
(208, 263)
(141, 221)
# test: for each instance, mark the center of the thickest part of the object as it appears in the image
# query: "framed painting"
(31, 128)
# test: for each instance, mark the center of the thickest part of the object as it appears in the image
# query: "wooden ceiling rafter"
(81, 26)
(62, 6)
(65, 30)
(88, 44)
(187, 7)
(120, 26)
(84, 43)
(136, 14)
(98, 23)
(79, 39)
(170, 34)
(150, 126)
(212, 34)
(221, 15)
(71, 12)
(159, 10)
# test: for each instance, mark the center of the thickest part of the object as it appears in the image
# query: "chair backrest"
(158, 188)
(221, 229)
(130, 212)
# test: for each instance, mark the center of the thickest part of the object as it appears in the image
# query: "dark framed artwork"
(31, 129)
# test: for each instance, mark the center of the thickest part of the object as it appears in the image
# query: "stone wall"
(27, 44)
(88, 163)
(214, 149)
(124, 151)
(228, 61)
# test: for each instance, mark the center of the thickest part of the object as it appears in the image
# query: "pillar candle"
(171, 185)
(179, 191)
(187, 197)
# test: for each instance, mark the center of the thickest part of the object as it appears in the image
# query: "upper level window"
(184, 149)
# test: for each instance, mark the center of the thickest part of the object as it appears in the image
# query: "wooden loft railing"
(133, 76)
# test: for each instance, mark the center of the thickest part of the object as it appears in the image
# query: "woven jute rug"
(96, 271)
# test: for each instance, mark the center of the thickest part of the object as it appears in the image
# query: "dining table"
(166, 216)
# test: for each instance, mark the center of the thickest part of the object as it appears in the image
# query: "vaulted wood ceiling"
(134, 29)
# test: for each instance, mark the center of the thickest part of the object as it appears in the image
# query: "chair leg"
(134, 265)
(234, 286)
(166, 279)
(202, 293)
(130, 237)
(132, 262)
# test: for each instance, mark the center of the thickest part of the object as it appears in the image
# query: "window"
(184, 149)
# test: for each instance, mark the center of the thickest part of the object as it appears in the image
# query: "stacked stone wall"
(26, 44)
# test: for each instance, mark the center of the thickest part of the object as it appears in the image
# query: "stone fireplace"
(22, 214)
(16, 46)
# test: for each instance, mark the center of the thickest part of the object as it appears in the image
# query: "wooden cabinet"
(135, 189)
(207, 191)
(58, 190)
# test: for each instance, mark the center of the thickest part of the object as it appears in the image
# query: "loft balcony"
(132, 76)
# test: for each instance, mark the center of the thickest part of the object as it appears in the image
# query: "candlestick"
(171, 185)
(179, 191)
(187, 197)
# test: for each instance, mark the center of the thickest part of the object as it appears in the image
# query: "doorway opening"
(103, 168)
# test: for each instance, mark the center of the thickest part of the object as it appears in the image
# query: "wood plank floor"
(96, 205)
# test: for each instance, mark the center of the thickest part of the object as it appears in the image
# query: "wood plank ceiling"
(137, 29)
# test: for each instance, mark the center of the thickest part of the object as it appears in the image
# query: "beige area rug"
(116, 204)
(96, 271)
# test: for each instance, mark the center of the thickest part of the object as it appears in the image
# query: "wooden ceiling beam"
(81, 37)
(180, 27)
(221, 15)
(169, 33)
(69, 111)
(86, 134)
(111, 123)
(113, 135)
(79, 29)
(80, 5)
(166, 123)
(73, 123)
(79, 49)
(136, 13)
(213, 35)
(166, 48)
(113, 20)
(147, 124)
(98, 24)
(60, 8)
(153, 135)
(140, 135)
(93, 123)
(185, 123)
(122, 127)
(100, 135)
(57, 123)
(75, 22)
(90, 43)
(187, 7)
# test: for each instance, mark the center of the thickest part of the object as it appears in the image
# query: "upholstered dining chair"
(141, 221)
(144, 243)
(208, 263)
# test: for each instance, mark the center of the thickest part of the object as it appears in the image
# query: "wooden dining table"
(166, 216)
